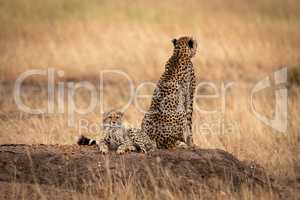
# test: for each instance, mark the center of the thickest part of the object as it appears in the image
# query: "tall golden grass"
(238, 40)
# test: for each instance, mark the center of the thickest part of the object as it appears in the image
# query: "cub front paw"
(103, 149)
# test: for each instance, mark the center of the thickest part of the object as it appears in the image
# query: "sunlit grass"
(240, 41)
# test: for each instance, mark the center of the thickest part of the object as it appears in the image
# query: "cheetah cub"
(117, 137)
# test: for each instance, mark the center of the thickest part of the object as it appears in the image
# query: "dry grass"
(240, 41)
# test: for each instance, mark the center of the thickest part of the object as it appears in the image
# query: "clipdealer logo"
(57, 91)
(279, 121)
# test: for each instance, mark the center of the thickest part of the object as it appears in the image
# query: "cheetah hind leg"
(142, 148)
(181, 145)
(124, 148)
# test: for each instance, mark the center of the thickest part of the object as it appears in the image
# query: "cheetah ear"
(105, 115)
(191, 43)
(120, 113)
(174, 41)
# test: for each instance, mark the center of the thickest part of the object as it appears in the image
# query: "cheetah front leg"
(189, 137)
(102, 146)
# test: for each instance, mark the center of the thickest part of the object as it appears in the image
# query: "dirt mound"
(83, 168)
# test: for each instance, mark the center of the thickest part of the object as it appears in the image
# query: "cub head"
(185, 46)
(113, 118)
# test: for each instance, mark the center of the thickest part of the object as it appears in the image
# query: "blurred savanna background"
(239, 42)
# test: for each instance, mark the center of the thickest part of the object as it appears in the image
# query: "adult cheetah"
(169, 118)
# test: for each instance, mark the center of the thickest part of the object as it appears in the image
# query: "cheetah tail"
(82, 140)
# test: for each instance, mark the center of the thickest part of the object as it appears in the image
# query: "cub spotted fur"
(117, 137)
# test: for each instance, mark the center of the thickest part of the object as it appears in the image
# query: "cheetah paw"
(120, 151)
(103, 150)
(181, 145)
(132, 148)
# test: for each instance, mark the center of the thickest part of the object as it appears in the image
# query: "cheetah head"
(113, 118)
(185, 46)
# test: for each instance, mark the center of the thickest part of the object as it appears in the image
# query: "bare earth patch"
(68, 170)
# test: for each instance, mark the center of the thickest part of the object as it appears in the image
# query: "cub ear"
(174, 41)
(191, 43)
(105, 115)
(121, 114)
